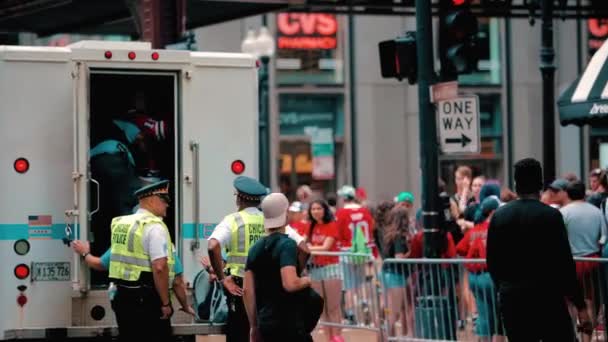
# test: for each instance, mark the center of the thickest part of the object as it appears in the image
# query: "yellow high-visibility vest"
(246, 229)
(128, 259)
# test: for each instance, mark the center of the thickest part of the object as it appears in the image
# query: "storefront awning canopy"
(586, 100)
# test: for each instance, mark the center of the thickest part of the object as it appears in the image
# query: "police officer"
(237, 233)
(142, 266)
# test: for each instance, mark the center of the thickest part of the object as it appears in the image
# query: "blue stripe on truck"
(204, 230)
(22, 231)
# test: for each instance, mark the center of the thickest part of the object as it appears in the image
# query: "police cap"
(159, 188)
(249, 188)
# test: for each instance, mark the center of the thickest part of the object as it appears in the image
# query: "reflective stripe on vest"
(236, 260)
(242, 235)
(246, 229)
(128, 259)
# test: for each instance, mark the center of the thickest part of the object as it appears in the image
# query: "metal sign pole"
(547, 68)
(428, 127)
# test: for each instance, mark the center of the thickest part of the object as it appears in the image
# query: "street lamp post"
(262, 47)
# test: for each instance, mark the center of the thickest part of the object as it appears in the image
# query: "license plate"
(50, 271)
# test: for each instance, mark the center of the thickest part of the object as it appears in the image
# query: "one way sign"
(458, 121)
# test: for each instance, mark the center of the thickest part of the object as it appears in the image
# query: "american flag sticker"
(40, 226)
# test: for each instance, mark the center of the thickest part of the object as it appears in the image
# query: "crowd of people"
(393, 230)
(269, 278)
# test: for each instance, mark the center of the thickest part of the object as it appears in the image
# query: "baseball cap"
(296, 207)
(274, 207)
(347, 191)
(489, 204)
(405, 197)
(559, 185)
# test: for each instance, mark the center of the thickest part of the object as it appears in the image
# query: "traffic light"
(458, 30)
(398, 58)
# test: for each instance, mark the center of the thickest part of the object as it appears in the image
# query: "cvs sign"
(307, 31)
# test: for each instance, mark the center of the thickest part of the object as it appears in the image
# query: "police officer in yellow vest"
(236, 234)
(141, 265)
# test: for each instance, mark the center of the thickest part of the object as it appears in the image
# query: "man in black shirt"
(272, 287)
(530, 262)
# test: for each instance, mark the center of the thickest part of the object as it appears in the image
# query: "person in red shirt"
(354, 216)
(351, 218)
(473, 246)
(323, 237)
(436, 311)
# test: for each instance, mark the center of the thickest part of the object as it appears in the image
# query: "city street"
(310, 170)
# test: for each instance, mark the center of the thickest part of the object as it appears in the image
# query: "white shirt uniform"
(223, 235)
(155, 239)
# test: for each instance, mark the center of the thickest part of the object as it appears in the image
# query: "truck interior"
(132, 144)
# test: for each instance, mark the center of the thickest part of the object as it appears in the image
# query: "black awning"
(586, 100)
(47, 17)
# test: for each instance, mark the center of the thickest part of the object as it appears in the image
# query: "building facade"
(335, 121)
(326, 75)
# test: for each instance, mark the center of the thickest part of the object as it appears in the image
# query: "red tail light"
(21, 165)
(108, 54)
(21, 300)
(237, 167)
(22, 271)
(132, 55)
(155, 56)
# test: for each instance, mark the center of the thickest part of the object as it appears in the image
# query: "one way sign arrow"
(464, 140)
(458, 125)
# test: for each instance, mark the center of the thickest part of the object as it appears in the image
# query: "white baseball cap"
(296, 207)
(347, 191)
(274, 207)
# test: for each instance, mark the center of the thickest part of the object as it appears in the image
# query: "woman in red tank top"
(326, 278)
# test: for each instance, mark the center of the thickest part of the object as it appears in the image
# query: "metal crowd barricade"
(421, 298)
(349, 284)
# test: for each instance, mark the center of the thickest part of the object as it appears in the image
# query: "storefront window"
(488, 40)
(598, 147)
(311, 148)
(489, 162)
(310, 49)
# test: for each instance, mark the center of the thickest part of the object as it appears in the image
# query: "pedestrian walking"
(394, 276)
(236, 234)
(323, 236)
(473, 246)
(586, 227)
(142, 267)
(272, 284)
(354, 222)
(529, 259)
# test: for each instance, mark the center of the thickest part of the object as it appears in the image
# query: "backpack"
(209, 299)
(359, 245)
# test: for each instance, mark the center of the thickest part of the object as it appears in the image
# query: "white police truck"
(51, 99)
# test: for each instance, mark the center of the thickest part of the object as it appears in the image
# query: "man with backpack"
(356, 229)
(272, 287)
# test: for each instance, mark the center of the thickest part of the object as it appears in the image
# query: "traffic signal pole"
(547, 68)
(428, 128)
